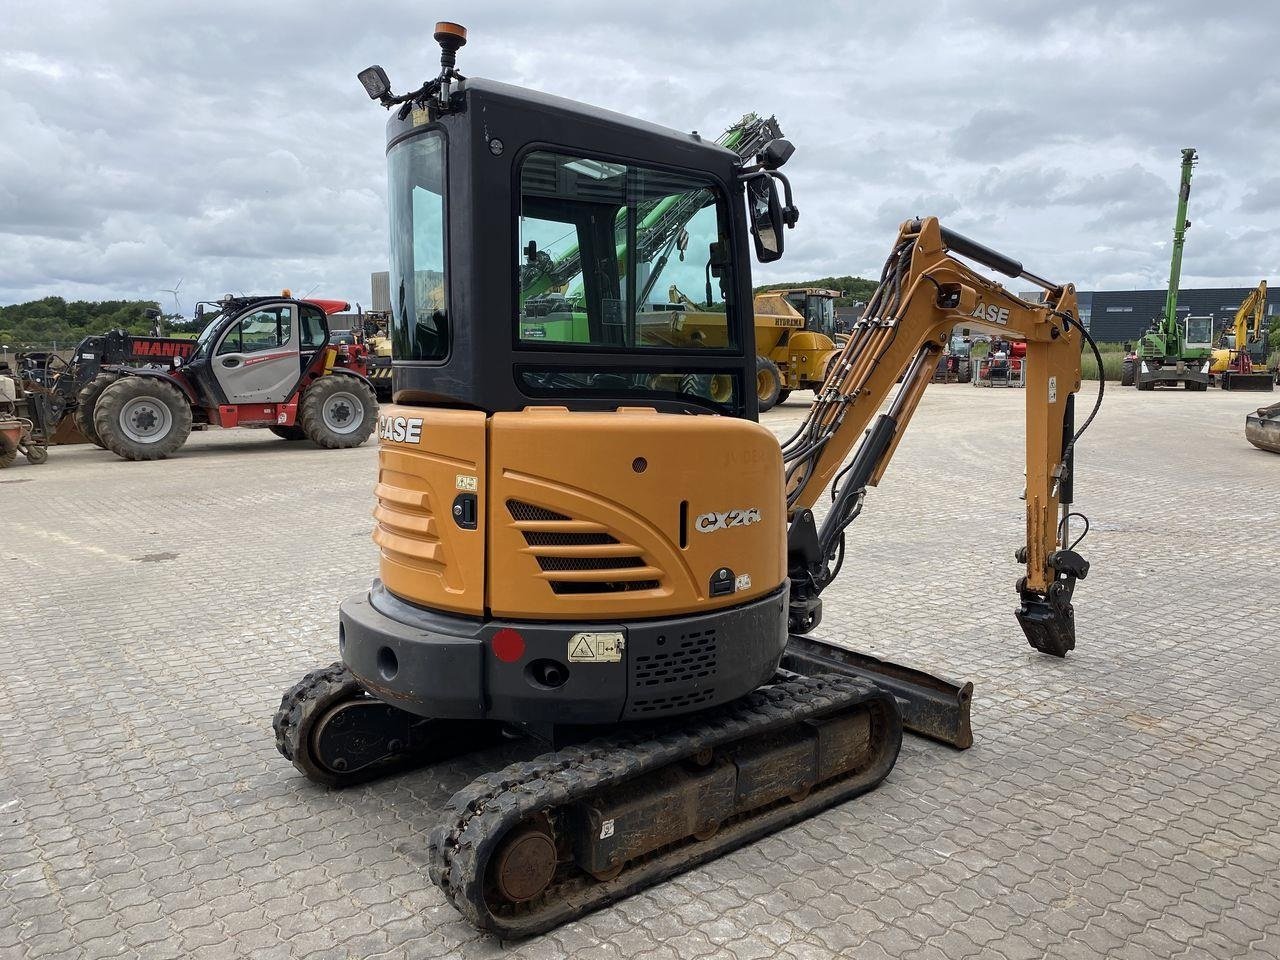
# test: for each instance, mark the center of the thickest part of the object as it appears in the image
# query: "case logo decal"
(400, 429)
(991, 313)
(711, 522)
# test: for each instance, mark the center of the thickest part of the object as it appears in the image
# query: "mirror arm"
(790, 212)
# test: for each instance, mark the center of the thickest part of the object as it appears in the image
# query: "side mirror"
(765, 213)
(375, 82)
(776, 153)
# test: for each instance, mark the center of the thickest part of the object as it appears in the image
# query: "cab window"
(622, 257)
(314, 329)
(260, 330)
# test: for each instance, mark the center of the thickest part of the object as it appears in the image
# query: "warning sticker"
(596, 647)
(467, 482)
(1053, 389)
(606, 830)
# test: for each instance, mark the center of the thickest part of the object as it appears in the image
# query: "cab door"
(258, 358)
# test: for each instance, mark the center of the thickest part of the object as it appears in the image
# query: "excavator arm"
(924, 292)
(1250, 318)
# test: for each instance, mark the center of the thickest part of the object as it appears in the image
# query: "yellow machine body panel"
(807, 355)
(426, 459)
(581, 516)
(631, 513)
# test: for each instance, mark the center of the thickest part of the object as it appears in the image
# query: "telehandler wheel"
(86, 400)
(768, 383)
(8, 450)
(142, 418)
(294, 432)
(338, 411)
(782, 395)
(1126, 373)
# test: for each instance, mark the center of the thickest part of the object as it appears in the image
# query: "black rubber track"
(307, 702)
(480, 816)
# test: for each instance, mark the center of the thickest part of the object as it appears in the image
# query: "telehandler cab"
(575, 548)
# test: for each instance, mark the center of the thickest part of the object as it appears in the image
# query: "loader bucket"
(1262, 428)
(67, 432)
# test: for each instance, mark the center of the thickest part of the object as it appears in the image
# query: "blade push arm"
(924, 292)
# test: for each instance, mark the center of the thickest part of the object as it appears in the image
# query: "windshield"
(207, 332)
(419, 325)
(821, 315)
(1199, 331)
(621, 256)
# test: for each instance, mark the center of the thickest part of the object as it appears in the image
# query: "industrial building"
(1116, 316)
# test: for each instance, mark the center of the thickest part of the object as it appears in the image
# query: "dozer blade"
(541, 843)
(930, 706)
(1262, 429)
(1259, 382)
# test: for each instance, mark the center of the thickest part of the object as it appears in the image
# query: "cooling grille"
(577, 557)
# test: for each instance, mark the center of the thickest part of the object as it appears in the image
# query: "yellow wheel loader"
(577, 548)
(796, 341)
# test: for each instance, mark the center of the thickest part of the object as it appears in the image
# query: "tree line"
(52, 320)
(854, 289)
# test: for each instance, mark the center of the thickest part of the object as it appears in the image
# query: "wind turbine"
(177, 305)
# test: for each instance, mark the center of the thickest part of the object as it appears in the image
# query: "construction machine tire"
(965, 373)
(338, 411)
(142, 418)
(1127, 370)
(768, 383)
(294, 432)
(717, 387)
(8, 450)
(782, 395)
(86, 400)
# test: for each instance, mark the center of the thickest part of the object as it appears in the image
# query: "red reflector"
(508, 645)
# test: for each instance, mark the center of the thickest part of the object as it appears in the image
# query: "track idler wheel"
(337, 735)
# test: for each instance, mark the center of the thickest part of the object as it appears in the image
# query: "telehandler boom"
(575, 548)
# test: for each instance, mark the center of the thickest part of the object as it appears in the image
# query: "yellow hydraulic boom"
(924, 293)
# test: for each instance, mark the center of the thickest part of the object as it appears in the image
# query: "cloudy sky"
(228, 143)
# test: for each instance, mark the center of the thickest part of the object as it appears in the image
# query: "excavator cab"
(528, 237)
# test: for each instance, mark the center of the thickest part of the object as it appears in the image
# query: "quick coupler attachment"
(1048, 619)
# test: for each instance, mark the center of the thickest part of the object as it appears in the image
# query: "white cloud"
(230, 144)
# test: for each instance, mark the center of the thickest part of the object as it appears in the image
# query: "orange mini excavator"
(582, 543)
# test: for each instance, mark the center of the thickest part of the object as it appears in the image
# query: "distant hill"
(855, 288)
(53, 319)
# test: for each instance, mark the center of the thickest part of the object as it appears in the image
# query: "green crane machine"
(1174, 350)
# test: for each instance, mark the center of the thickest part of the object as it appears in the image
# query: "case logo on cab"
(596, 647)
(400, 429)
(711, 522)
